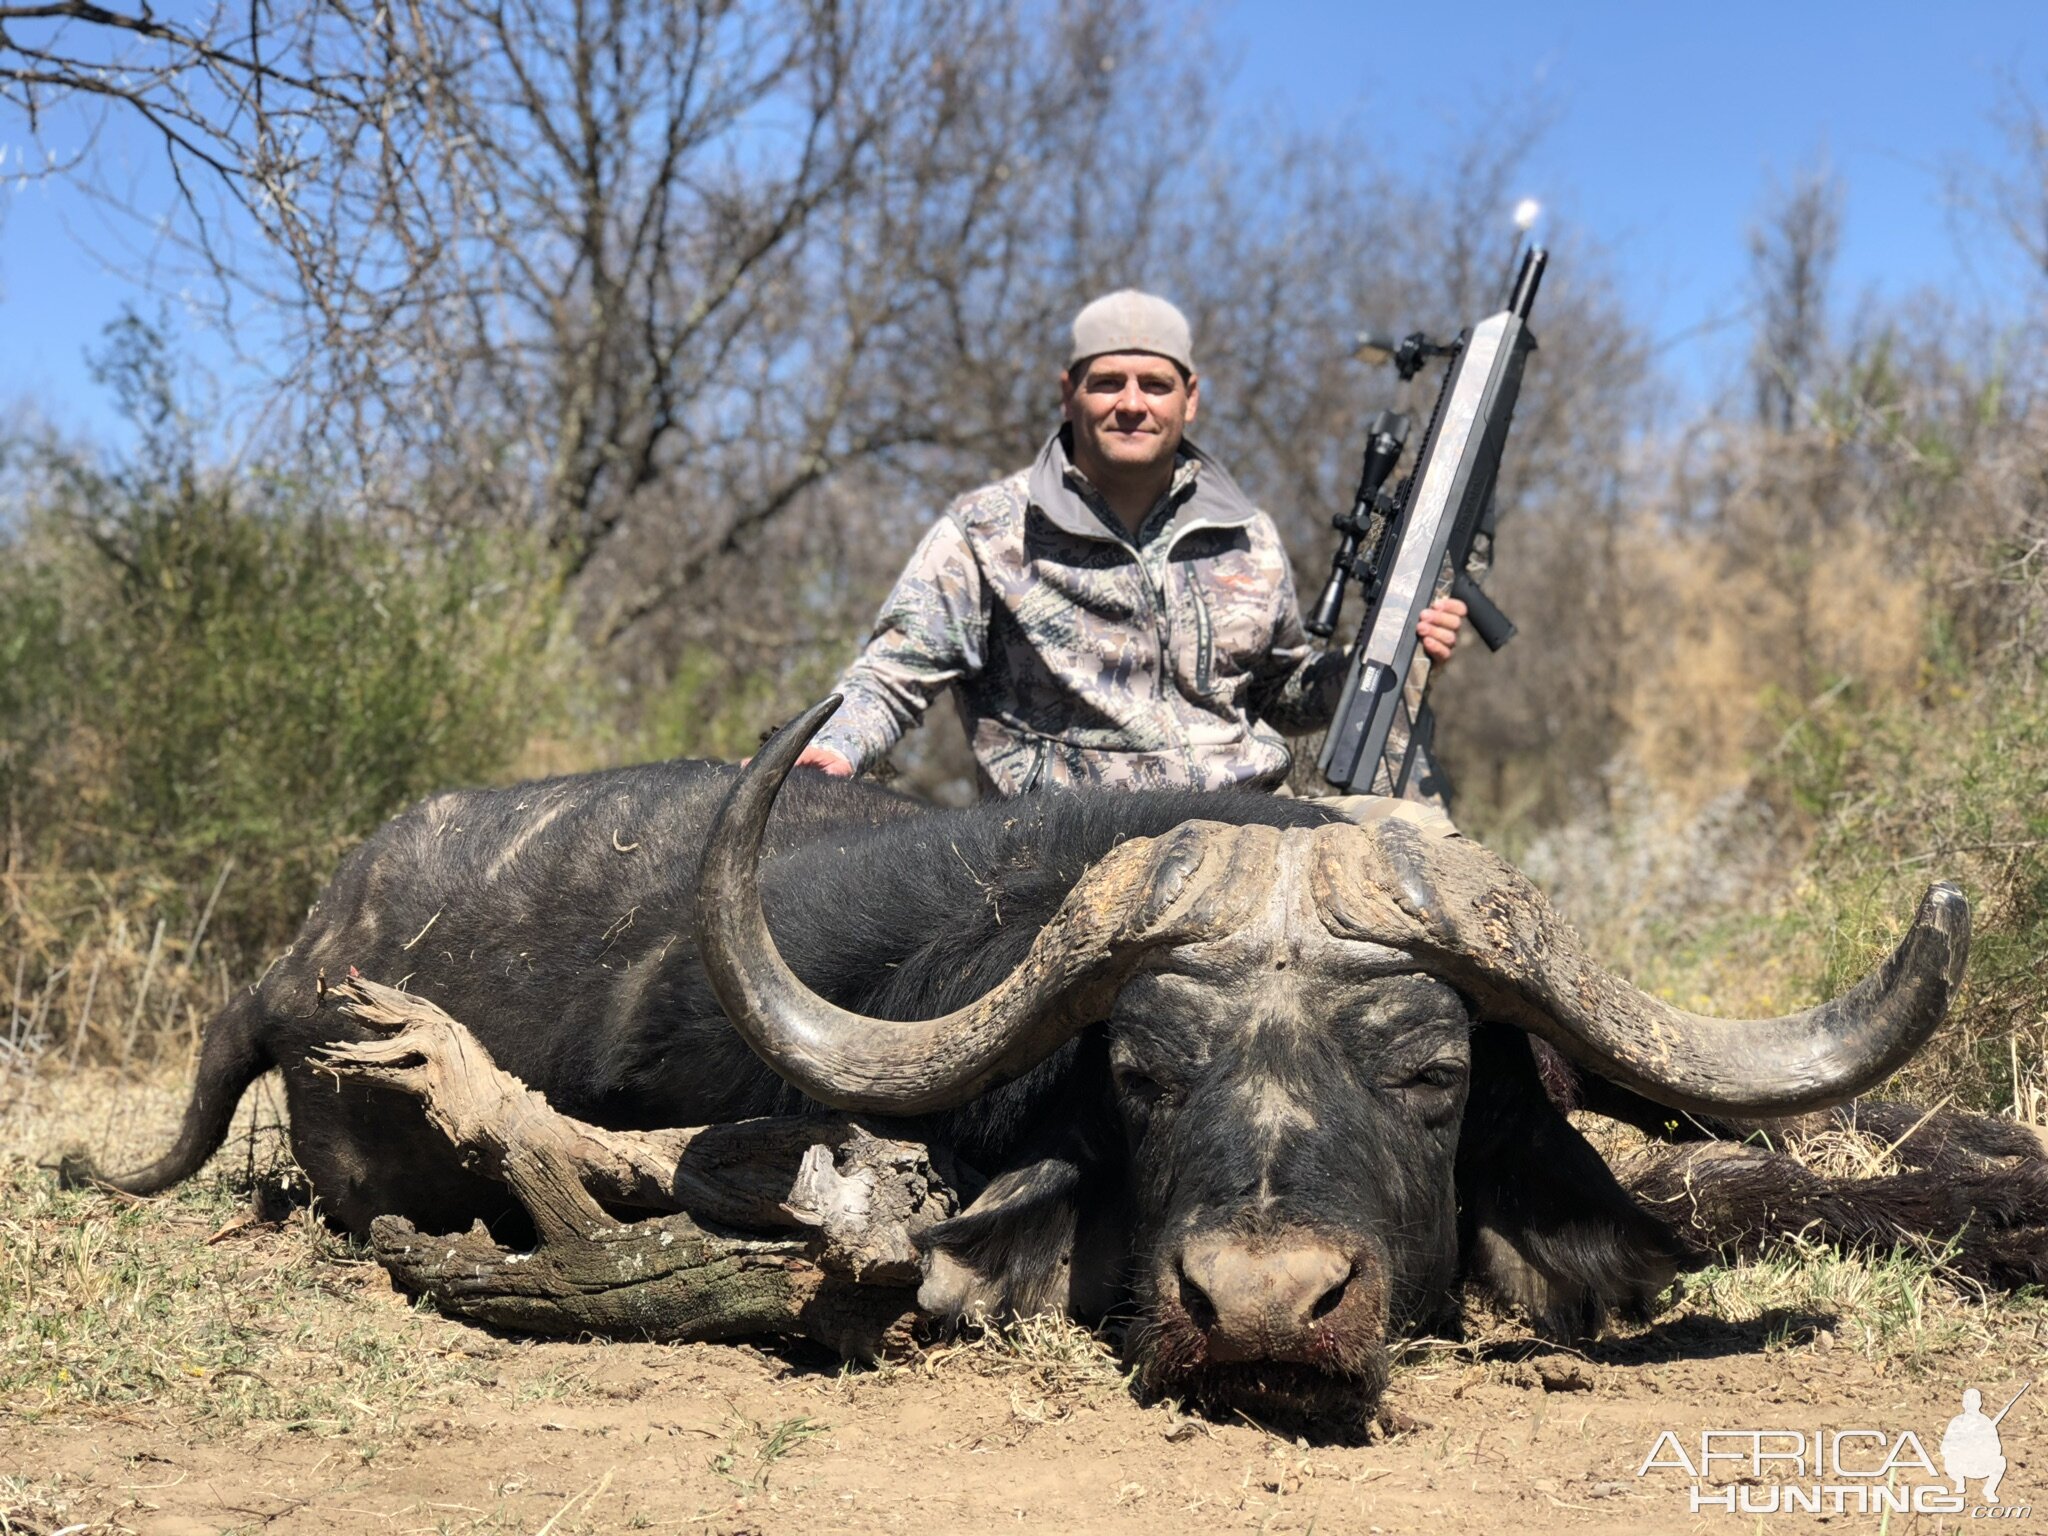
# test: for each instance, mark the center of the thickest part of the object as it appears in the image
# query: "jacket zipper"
(1037, 773)
(1204, 648)
(1156, 602)
(1155, 606)
(1204, 629)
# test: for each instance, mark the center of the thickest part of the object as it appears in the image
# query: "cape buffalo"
(1257, 1073)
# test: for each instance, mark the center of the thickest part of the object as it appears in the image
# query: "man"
(1119, 613)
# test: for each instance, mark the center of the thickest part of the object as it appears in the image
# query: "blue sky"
(1667, 123)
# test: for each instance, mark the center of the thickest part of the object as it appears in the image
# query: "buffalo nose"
(1261, 1302)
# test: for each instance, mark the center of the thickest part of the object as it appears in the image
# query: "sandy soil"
(1033, 1433)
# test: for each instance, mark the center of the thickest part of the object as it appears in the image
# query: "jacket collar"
(1202, 492)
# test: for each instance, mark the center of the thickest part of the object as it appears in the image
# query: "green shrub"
(1794, 886)
(714, 707)
(1959, 791)
(198, 670)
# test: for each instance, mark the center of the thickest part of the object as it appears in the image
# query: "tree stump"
(795, 1226)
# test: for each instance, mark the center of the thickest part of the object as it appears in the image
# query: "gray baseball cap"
(1130, 321)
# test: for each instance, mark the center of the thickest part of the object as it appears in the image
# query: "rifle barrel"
(1527, 281)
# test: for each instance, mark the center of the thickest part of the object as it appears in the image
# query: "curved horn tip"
(1944, 905)
(791, 739)
(760, 781)
(1945, 914)
(832, 1054)
(1760, 1067)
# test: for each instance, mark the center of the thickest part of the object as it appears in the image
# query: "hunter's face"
(1128, 411)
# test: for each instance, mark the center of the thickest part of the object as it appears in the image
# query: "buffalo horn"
(1471, 917)
(850, 1061)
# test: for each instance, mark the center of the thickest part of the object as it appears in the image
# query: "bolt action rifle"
(1407, 546)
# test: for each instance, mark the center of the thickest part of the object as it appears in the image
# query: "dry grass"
(112, 1307)
(754, 1448)
(1907, 1307)
(1770, 897)
(37, 1507)
(1841, 1152)
(109, 1308)
(1053, 1351)
(1730, 631)
(108, 968)
(1046, 1366)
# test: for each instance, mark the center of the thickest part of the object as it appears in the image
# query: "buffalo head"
(1289, 1019)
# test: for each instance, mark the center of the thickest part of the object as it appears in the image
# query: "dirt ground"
(270, 1380)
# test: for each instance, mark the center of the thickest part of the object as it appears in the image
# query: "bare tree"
(576, 243)
(568, 243)
(233, 95)
(1792, 254)
(934, 300)
(2009, 201)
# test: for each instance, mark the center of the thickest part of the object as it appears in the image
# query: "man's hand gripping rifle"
(1407, 546)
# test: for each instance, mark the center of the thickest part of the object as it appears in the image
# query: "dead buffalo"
(1258, 1074)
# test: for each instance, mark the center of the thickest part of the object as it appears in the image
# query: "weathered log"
(663, 1278)
(845, 1206)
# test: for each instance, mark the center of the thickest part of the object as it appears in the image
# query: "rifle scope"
(1384, 439)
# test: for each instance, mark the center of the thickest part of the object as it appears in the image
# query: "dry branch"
(845, 1206)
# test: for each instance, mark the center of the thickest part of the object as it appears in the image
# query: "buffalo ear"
(1542, 1223)
(1010, 1253)
(1049, 1234)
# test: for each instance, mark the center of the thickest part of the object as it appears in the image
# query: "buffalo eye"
(1439, 1075)
(1433, 1086)
(1135, 1086)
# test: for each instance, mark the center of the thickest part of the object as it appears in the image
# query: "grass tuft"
(753, 1448)
(1907, 1306)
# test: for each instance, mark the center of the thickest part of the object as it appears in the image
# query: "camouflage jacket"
(1083, 657)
